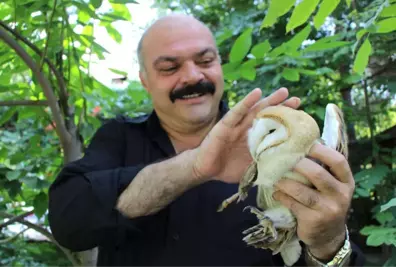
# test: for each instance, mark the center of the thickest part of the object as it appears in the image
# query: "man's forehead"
(175, 34)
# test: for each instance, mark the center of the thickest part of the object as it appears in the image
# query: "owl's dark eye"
(271, 131)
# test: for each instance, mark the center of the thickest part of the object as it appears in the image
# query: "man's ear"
(142, 77)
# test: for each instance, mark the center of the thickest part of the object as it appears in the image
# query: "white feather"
(331, 127)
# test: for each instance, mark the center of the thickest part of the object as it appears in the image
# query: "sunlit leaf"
(122, 11)
(325, 9)
(389, 11)
(276, 9)
(326, 46)
(386, 25)
(295, 42)
(301, 13)
(241, 46)
(362, 57)
(248, 72)
(114, 33)
(123, 73)
(291, 74)
(224, 36)
(259, 50)
(123, 1)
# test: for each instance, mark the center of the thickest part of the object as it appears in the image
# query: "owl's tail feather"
(334, 131)
(291, 252)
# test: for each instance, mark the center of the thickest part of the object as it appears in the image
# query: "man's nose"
(191, 74)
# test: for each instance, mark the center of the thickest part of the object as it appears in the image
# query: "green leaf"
(259, 50)
(390, 204)
(362, 192)
(116, 35)
(386, 25)
(291, 74)
(123, 73)
(294, 43)
(369, 178)
(384, 217)
(96, 3)
(276, 9)
(241, 46)
(362, 57)
(325, 46)
(13, 175)
(320, 112)
(352, 79)
(40, 204)
(224, 36)
(122, 11)
(326, 8)
(301, 14)
(7, 115)
(123, 1)
(248, 72)
(348, 2)
(389, 11)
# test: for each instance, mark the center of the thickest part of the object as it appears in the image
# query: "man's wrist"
(340, 258)
(326, 252)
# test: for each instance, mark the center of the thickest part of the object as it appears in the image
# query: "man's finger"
(317, 175)
(300, 192)
(275, 98)
(293, 102)
(236, 114)
(290, 203)
(337, 163)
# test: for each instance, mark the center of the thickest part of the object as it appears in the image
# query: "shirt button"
(175, 237)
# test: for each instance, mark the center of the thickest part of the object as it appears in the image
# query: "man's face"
(183, 72)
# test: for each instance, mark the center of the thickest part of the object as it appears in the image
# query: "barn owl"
(280, 137)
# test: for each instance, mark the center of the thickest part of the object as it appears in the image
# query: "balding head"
(166, 24)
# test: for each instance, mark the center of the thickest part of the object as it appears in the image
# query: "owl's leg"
(264, 232)
(245, 185)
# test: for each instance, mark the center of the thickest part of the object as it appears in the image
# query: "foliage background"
(340, 51)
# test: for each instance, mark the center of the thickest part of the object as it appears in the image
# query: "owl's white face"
(265, 134)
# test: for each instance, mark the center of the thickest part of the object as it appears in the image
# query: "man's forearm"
(157, 185)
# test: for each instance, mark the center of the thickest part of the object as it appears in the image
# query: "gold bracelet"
(340, 259)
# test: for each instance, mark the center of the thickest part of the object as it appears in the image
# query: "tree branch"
(11, 103)
(48, 36)
(12, 238)
(44, 232)
(61, 130)
(16, 218)
(59, 77)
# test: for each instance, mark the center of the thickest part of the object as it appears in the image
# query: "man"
(147, 189)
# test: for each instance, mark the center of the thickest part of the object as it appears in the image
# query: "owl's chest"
(273, 167)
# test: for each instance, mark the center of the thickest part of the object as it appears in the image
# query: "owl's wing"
(334, 131)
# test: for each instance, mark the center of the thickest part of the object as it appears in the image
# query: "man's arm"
(155, 186)
(83, 199)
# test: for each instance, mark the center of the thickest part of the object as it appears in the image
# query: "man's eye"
(206, 61)
(169, 69)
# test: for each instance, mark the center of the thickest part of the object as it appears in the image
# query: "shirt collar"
(160, 136)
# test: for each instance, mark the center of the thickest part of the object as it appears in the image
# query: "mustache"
(198, 88)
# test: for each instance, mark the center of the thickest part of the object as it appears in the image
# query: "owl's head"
(280, 128)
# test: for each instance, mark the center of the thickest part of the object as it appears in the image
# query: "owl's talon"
(263, 233)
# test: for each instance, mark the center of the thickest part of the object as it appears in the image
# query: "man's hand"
(321, 213)
(224, 154)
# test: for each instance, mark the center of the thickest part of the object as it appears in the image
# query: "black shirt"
(189, 231)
